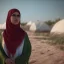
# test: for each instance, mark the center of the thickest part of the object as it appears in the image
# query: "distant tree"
(50, 22)
(57, 20)
(23, 24)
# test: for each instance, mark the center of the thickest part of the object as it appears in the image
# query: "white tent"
(3, 26)
(0, 26)
(58, 27)
(39, 26)
(29, 23)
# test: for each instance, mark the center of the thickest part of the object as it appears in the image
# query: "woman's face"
(15, 18)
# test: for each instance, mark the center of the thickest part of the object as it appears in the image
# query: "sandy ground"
(43, 53)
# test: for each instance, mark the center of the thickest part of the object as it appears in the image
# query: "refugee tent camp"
(39, 26)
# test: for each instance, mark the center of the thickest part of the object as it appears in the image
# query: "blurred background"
(43, 20)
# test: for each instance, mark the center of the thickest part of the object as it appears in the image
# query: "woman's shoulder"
(27, 41)
(26, 35)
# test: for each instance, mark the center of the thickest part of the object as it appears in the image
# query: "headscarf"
(13, 35)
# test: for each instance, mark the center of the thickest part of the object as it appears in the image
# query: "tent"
(39, 26)
(58, 27)
(29, 23)
(2, 26)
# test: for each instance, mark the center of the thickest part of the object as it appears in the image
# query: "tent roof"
(39, 26)
(29, 23)
(3, 26)
(58, 27)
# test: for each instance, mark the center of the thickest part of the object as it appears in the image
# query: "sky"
(33, 10)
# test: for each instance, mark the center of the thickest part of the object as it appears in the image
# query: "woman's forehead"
(16, 13)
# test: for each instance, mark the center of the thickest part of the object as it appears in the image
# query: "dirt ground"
(43, 53)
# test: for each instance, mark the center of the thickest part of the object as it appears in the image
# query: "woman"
(15, 47)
